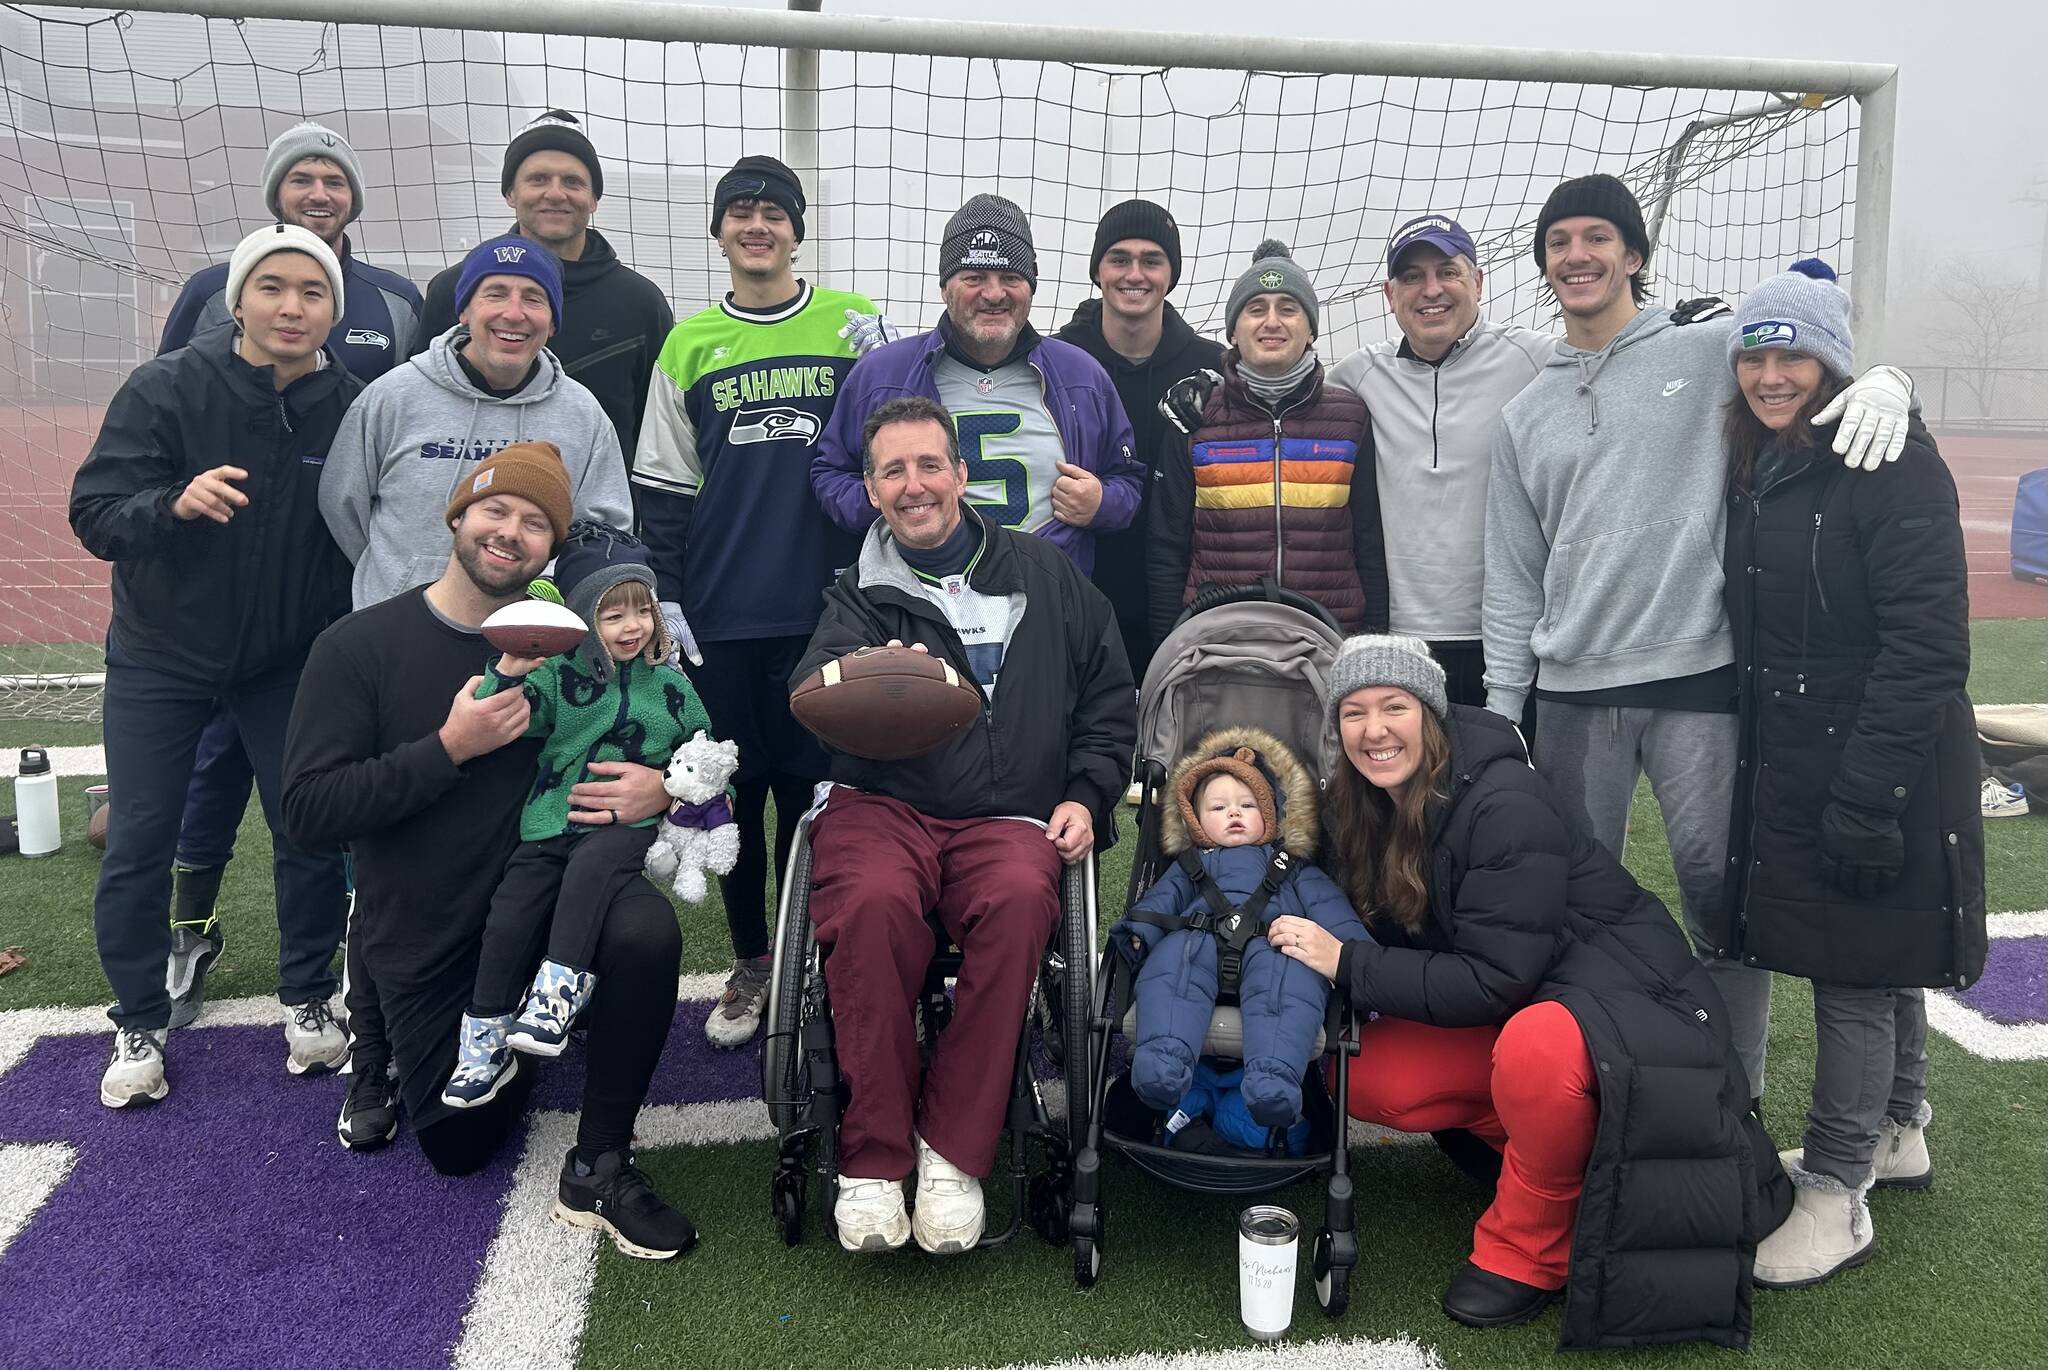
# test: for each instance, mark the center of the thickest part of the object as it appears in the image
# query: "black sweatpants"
(745, 688)
(639, 951)
(559, 889)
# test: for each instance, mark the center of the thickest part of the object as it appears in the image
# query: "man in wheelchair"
(973, 832)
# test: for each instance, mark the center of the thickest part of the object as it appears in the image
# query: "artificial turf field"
(226, 1227)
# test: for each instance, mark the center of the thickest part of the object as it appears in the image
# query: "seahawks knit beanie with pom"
(1274, 272)
(1801, 308)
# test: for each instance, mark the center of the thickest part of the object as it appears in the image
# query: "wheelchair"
(806, 1096)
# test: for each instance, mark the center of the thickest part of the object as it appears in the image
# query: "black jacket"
(212, 602)
(614, 321)
(1064, 723)
(1120, 556)
(1849, 599)
(1525, 907)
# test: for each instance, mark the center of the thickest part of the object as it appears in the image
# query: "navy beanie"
(511, 255)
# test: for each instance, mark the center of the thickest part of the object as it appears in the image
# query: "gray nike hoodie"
(1604, 516)
(420, 429)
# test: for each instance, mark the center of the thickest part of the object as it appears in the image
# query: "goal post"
(132, 139)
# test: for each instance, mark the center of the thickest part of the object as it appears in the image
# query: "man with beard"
(1043, 433)
(390, 752)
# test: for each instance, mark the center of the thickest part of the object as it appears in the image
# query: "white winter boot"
(1828, 1230)
(1902, 1159)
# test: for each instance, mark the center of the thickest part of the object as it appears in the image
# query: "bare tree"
(1987, 324)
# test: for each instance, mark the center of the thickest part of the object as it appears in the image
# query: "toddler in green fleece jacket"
(612, 699)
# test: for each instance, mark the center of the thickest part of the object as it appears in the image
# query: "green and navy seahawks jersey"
(734, 412)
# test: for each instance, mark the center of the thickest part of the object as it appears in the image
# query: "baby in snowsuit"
(1240, 799)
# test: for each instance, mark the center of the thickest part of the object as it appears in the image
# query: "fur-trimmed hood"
(1294, 791)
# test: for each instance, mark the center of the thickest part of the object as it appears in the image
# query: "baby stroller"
(1239, 654)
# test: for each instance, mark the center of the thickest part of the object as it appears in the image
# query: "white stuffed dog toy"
(698, 834)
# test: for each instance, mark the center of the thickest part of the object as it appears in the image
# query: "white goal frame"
(803, 32)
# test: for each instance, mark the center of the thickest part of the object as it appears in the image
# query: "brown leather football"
(96, 828)
(534, 627)
(885, 703)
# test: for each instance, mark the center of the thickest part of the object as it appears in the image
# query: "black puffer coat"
(1524, 908)
(1849, 598)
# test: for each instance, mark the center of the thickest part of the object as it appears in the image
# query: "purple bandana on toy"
(713, 813)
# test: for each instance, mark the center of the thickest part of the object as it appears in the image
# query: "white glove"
(868, 331)
(683, 642)
(1873, 412)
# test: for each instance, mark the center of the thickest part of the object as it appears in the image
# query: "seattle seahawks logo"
(773, 425)
(1769, 332)
(366, 337)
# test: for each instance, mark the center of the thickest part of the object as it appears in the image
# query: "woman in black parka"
(1857, 845)
(1531, 992)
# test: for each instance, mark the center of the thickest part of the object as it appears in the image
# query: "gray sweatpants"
(1870, 1062)
(1593, 756)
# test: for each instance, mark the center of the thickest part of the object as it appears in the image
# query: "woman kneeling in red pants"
(1530, 992)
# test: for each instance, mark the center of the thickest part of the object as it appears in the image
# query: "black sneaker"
(615, 1197)
(369, 1115)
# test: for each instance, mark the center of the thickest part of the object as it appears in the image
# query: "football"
(96, 828)
(534, 627)
(885, 703)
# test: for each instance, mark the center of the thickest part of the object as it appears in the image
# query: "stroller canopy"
(1245, 663)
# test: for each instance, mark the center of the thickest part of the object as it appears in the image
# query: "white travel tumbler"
(35, 803)
(1268, 1240)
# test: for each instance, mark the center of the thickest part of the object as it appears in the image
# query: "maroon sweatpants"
(877, 866)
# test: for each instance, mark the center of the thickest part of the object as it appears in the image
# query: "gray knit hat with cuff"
(1387, 659)
(1274, 272)
(309, 139)
(1801, 308)
(988, 233)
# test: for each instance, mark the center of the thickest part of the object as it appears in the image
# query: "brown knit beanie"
(530, 470)
(1242, 764)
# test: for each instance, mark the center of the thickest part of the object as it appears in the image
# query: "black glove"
(1861, 852)
(1185, 399)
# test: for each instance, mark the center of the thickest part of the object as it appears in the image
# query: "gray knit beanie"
(1274, 271)
(1802, 308)
(988, 233)
(309, 139)
(1387, 659)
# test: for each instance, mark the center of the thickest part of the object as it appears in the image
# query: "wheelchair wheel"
(1333, 1282)
(790, 1187)
(782, 1052)
(1077, 947)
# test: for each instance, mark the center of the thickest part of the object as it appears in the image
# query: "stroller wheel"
(1088, 1251)
(1333, 1282)
(789, 1206)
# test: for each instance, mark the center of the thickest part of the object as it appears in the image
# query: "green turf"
(1958, 1281)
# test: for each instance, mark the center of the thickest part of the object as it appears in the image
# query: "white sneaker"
(869, 1215)
(948, 1211)
(1827, 1231)
(135, 1073)
(737, 1014)
(1999, 800)
(316, 1042)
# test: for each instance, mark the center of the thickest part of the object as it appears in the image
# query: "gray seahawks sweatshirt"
(1604, 516)
(420, 429)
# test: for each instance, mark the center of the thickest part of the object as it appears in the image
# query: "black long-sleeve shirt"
(364, 765)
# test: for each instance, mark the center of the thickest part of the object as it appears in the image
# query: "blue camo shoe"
(556, 996)
(483, 1063)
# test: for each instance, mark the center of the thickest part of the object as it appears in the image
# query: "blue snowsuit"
(1282, 1000)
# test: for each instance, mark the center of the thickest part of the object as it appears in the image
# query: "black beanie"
(1603, 197)
(1137, 219)
(988, 233)
(760, 178)
(555, 131)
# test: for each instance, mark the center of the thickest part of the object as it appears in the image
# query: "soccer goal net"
(133, 141)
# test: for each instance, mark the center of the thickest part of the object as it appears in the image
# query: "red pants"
(877, 867)
(1526, 1087)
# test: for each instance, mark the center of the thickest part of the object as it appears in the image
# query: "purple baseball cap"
(1439, 231)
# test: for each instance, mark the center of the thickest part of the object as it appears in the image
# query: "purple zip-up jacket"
(1078, 393)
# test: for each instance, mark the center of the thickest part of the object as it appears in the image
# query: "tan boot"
(1902, 1159)
(1828, 1230)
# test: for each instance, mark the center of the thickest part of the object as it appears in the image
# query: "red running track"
(51, 591)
